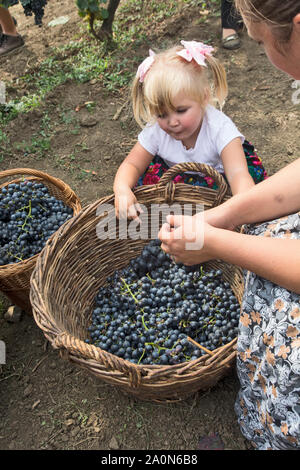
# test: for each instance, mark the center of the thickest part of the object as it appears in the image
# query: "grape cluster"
(35, 7)
(29, 215)
(147, 312)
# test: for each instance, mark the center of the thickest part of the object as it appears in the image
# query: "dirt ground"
(46, 402)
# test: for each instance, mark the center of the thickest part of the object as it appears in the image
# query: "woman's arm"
(235, 167)
(277, 196)
(277, 260)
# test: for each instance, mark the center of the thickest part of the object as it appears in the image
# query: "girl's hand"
(184, 238)
(126, 205)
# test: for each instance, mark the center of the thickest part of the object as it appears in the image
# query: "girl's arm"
(126, 177)
(277, 260)
(235, 167)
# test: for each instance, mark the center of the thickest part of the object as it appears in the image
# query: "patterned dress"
(268, 354)
(158, 167)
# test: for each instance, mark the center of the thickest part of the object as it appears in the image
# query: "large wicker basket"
(15, 278)
(75, 263)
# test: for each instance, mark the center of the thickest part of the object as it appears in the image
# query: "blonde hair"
(170, 75)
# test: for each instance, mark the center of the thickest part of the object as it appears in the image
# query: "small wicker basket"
(75, 263)
(15, 278)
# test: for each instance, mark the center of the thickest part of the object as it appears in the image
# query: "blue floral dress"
(268, 354)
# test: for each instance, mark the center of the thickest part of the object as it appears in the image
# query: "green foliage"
(86, 8)
(7, 112)
(82, 59)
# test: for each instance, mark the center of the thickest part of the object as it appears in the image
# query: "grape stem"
(144, 324)
(150, 278)
(199, 346)
(28, 215)
(129, 290)
(42, 207)
(157, 346)
(144, 350)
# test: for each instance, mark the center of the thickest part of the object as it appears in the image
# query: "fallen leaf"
(90, 171)
(36, 403)
(80, 106)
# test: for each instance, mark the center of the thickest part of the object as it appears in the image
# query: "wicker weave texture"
(15, 278)
(75, 263)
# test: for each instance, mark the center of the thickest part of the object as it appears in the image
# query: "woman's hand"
(126, 205)
(186, 239)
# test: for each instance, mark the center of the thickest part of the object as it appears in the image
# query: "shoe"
(10, 43)
(231, 42)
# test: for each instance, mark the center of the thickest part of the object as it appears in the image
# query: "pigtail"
(220, 87)
(140, 104)
(137, 101)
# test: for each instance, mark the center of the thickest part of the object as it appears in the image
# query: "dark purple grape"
(170, 303)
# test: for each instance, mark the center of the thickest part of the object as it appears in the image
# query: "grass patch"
(85, 59)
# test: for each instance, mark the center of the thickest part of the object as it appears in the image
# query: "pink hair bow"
(145, 66)
(195, 50)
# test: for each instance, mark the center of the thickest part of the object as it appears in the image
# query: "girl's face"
(184, 122)
(287, 61)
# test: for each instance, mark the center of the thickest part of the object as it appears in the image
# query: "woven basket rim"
(152, 367)
(89, 354)
(37, 175)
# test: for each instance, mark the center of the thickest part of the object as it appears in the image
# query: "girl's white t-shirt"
(216, 132)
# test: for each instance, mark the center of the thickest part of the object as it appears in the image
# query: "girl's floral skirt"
(158, 167)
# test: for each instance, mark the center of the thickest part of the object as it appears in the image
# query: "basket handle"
(68, 344)
(68, 192)
(168, 176)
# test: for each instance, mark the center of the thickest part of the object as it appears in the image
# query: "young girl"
(173, 97)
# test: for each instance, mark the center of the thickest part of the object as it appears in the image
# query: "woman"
(268, 352)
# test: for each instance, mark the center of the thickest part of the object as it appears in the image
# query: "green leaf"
(104, 13)
(93, 6)
(25, 2)
(82, 4)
